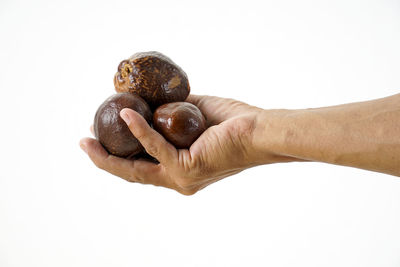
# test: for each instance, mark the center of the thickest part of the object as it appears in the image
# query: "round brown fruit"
(112, 132)
(181, 123)
(153, 76)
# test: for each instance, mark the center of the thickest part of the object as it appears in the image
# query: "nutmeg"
(181, 123)
(154, 77)
(112, 132)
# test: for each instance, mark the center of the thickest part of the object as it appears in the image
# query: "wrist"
(272, 136)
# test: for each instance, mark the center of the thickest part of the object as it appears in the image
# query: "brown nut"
(181, 123)
(111, 131)
(153, 76)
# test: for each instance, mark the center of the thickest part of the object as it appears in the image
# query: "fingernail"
(83, 146)
(124, 115)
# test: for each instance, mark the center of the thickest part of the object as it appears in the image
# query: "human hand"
(227, 147)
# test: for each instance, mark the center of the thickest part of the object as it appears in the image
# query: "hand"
(225, 148)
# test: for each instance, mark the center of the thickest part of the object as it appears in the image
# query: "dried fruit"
(112, 132)
(153, 76)
(181, 123)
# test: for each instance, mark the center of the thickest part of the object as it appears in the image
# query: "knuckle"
(99, 164)
(136, 179)
(187, 192)
(138, 133)
(181, 183)
(152, 149)
(102, 163)
(184, 184)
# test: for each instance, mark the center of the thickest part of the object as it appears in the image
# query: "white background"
(57, 61)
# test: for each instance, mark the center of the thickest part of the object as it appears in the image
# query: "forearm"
(364, 135)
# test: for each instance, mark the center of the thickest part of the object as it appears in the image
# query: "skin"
(364, 135)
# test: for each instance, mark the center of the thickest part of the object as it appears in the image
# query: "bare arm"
(364, 135)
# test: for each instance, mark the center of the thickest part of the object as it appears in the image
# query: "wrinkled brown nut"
(181, 123)
(112, 132)
(153, 76)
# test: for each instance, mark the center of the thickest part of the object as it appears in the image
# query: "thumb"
(152, 141)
